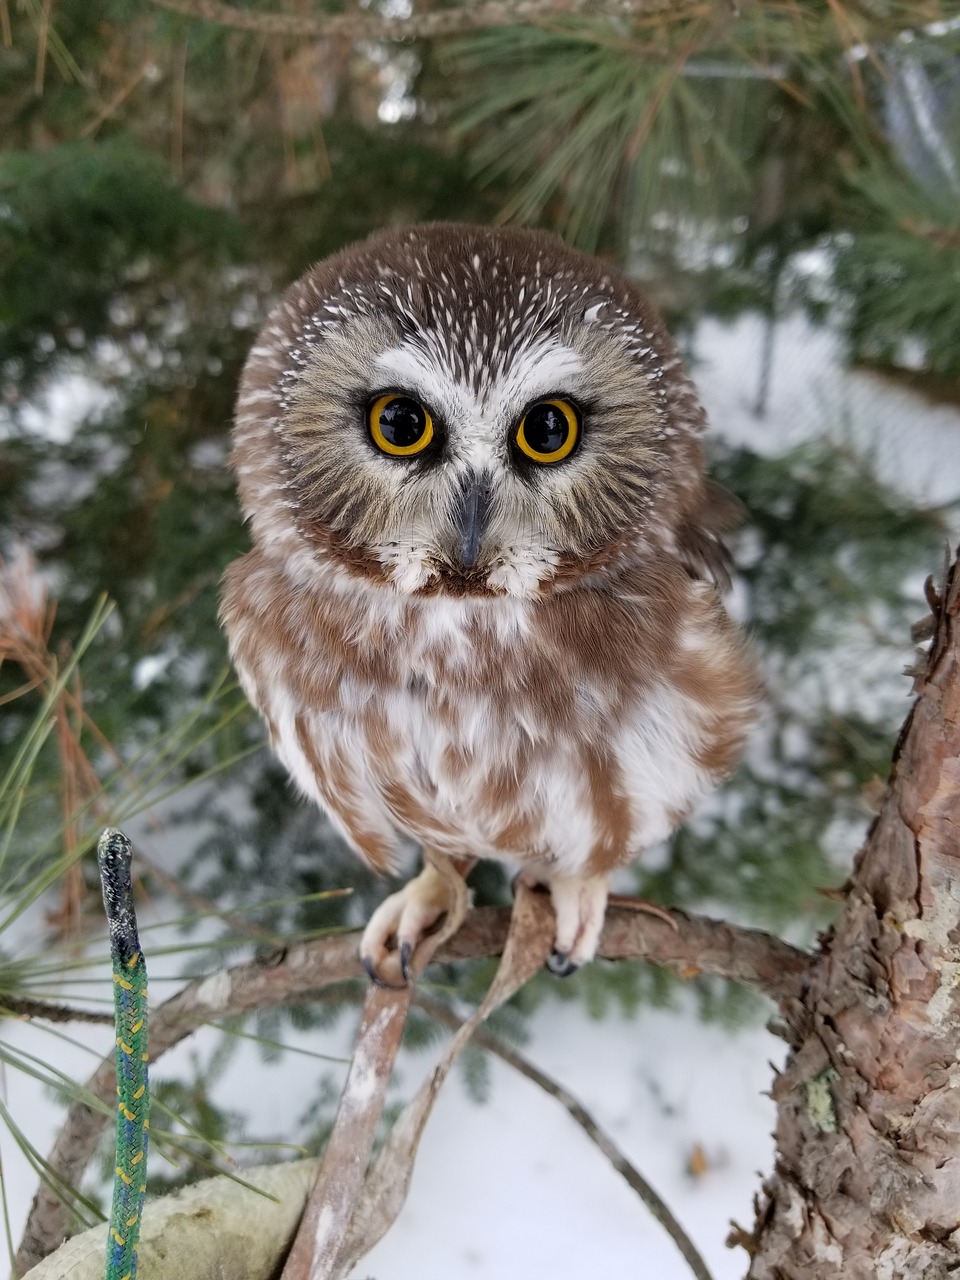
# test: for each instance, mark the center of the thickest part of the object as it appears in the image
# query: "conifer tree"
(166, 168)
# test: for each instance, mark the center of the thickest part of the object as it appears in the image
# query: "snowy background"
(512, 1189)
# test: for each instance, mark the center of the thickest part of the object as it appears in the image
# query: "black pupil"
(546, 428)
(402, 422)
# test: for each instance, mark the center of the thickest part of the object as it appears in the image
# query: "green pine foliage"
(595, 138)
(94, 239)
(899, 273)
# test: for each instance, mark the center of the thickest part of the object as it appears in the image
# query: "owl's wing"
(699, 539)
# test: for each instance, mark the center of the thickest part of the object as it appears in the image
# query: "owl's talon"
(580, 904)
(560, 964)
(376, 979)
(399, 924)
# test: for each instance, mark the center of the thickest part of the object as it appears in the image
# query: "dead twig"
(339, 1183)
(30, 1010)
(385, 1191)
(118, 99)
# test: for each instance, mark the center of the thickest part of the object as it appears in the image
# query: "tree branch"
(27, 1009)
(687, 944)
(429, 24)
(333, 1197)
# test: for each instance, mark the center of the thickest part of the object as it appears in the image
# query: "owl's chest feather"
(571, 735)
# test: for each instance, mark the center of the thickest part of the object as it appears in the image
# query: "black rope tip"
(114, 856)
(113, 850)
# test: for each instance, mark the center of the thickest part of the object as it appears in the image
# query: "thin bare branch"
(326, 1218)
(360, 25)
(43, 36)
(29, 1010)
(385, 1190)
(686, 944)
(118, 99)
(437, 1010)
(342, 1177)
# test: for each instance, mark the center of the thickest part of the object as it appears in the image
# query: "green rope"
(130, 1013)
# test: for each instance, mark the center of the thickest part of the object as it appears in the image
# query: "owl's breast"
(572, 735)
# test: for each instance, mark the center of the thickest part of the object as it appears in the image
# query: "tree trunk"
(867, 1178)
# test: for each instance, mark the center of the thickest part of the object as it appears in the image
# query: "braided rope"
(130, 1013)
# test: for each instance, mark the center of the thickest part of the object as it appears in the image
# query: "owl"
(481, 611)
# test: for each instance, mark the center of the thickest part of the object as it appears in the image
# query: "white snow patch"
(913, 444)
(214, 991)
(68, 400)
(362, 1081)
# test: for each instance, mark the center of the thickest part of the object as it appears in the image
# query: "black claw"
(406, 951)
(560, 964)
(375, 977)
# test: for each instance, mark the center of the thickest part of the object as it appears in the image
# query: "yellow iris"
(549, 431)
(399, 425)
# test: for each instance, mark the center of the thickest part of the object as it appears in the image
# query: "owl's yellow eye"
(549, 431)
(400, 426)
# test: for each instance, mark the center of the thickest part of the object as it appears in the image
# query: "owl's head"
(466, 410)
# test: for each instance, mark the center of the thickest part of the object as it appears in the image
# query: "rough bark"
(867, 1178)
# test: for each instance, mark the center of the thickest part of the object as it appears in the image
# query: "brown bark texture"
(867, 1178)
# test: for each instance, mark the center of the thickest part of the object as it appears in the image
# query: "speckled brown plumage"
(562, 694)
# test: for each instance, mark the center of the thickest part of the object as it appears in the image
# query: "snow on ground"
(512, 1190)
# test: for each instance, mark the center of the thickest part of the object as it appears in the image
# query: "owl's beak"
(472, 510)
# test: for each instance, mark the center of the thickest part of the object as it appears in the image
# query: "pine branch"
(29, 1010)
(687, 944)
(433, 23)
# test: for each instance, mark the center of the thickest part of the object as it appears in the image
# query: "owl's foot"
(406, 918)
(580, 904)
